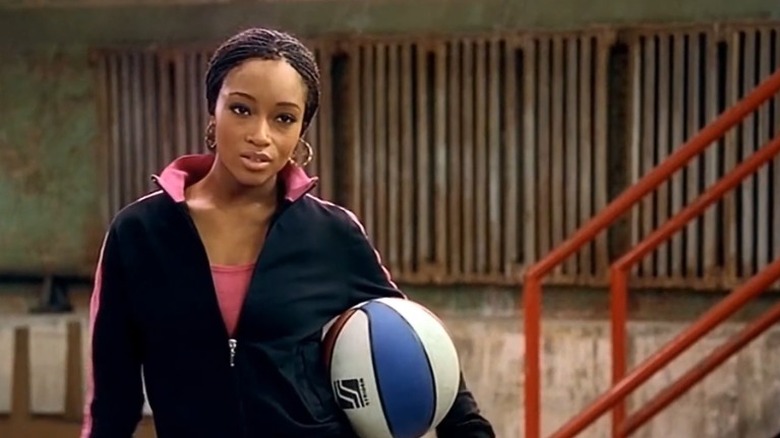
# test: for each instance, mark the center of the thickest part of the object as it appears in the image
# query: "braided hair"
(264, 44)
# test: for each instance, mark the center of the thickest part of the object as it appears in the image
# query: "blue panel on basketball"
(393, 367)
(402, 371)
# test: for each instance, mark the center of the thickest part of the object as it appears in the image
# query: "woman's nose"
(260, 136)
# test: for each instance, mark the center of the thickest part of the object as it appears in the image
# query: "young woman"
(219, 284)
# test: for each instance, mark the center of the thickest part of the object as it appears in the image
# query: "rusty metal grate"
(565, 146)
(155, 113)
(468, 158)
(679, 81)
(752, 214)
(458, 159)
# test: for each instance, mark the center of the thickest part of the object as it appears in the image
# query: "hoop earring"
(211, 142)
(309, 154)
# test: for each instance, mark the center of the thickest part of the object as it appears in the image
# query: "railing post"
(532, 314)
(619, 305)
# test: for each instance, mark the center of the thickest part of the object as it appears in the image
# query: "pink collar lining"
(187, 169)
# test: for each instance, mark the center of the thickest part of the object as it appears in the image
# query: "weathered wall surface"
(160, 20)
(49, 189)
(739, 400)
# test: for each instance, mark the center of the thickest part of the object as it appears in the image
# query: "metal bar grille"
(479, 139)
(565, 147)
(756, 208)
(320, 133)
(469, 158)
(680, 79)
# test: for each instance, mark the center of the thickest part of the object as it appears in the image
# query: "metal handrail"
(719, 313)
(533, 278)
(701, 370)
(619, 288)
(619, 270)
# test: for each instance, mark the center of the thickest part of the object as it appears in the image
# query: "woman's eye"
(286, 118)
(241, 110)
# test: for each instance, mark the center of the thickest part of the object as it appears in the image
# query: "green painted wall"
(49, 212)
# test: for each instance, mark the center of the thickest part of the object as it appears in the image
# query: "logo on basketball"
(351, 393)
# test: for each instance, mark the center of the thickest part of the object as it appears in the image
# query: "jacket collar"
(188, 169)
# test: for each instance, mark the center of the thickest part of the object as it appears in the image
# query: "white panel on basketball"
(329, 324)
(438, 345)
(352, 362)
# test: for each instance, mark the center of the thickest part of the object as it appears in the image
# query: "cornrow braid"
(265, 44)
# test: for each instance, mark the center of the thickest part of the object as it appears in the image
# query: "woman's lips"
(256, 161)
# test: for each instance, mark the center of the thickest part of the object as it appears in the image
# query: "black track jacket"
(154, 312)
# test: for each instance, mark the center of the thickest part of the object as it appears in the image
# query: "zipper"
(232, 344)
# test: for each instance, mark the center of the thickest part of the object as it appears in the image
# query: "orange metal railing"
(698, 372)
(623, 386)
(621, 268)
(674, 348)
(619, 290)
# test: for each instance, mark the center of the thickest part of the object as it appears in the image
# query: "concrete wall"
(740, 400)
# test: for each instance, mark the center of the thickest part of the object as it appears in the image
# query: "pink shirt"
(231, 284)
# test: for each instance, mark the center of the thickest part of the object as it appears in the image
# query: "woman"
(219, 284)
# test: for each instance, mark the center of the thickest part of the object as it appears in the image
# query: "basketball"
(394, 369)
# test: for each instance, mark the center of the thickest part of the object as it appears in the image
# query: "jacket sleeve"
(114, 398)
(370, 279)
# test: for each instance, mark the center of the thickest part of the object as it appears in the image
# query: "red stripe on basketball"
(333, 333)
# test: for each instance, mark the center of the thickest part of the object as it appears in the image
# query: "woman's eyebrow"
(242, 94)
(249, 96)
(290, 104)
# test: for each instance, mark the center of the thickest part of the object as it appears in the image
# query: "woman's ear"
(210, 138)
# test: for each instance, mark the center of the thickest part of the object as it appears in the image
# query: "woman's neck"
(224, 190)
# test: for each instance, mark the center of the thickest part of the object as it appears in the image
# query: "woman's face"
(258, 119)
